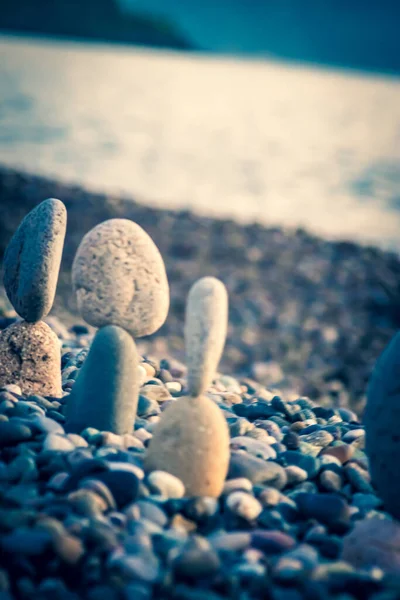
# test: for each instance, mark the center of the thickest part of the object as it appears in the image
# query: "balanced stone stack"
(121, 286)
(29, 350)
(192, 439)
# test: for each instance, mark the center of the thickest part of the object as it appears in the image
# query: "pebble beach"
(80, 517)
(296, 516)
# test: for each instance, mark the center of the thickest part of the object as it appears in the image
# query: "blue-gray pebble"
(105, 393)
(32, 260)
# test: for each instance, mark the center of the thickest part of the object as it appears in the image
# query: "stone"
(166, 485)
(55, 442)
(256, 470)
(374, 543)
(253, 447)
(244, 505)
(105, 393)
(32, 260)
(271, 542)
(382, 426)
(344, 452)
(330, 509)
(206, 325)
(30, 357)
(191, 441)
(13, 433)
(119, 278)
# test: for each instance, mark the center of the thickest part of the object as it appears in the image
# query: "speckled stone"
(205, 332)
(119, 278)
(382, 426)
(30, 357)
(105, 393)
(32, 260)
(191, 442)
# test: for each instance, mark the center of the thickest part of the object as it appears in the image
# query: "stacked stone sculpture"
(191, 440)
(121, 286)
(29, 350)
(382, 426)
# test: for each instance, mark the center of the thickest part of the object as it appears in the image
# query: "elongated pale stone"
(32, 260)
(30, 357)
(382, 426)
(205, 332)
(105, 394)
(119, 278)
(191, 441)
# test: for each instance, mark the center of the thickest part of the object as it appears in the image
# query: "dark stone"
(330, 509)
(272, 542)
(123, 485)
(310, 464)
(13, 433)
(106, 390)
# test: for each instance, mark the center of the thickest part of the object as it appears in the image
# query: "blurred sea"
(247, 139)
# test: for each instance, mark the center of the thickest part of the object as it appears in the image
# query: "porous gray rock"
(205, 332)
(382, 426)
(105, 393)
(32, 260)
(191, 441)
(30, 357)
(119, 278)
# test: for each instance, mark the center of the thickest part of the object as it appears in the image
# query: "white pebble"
(173, 386)
(166, 484)
(57, 443)
(244, 505)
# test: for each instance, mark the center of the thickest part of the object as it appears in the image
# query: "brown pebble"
(30, 357)
(343, 452)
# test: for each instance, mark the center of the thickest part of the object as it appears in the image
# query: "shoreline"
(307, 315)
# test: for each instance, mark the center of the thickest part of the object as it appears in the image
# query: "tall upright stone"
(191, 440)
(105, 393)
(32, 260)
(205, 332)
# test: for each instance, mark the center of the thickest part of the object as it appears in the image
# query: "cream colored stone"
(205, 332)
(119, 278)
(191, 442)
(30, 357)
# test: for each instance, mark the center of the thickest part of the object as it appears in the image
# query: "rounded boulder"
(30, 357)
(191, 441)
(119, 278)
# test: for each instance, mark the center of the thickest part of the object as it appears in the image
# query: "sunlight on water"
(250, 140)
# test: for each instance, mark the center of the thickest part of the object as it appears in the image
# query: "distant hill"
(101, 20)
(359, 34)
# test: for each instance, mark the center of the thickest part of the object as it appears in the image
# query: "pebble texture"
(374, 542)
(192, 443)
(32, 260)
(119, 278)
(105, 394)
(30, 357)
(382, 426)
(205, 332)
